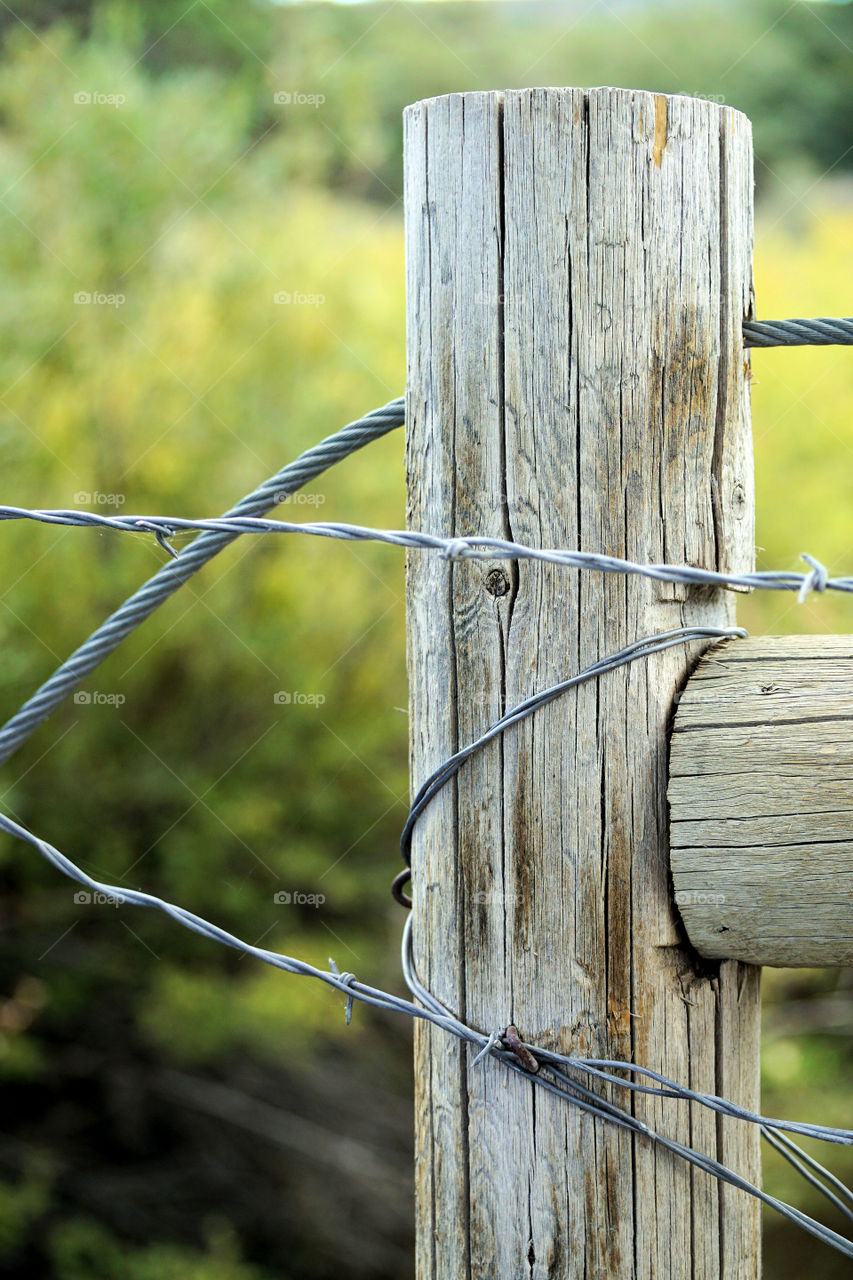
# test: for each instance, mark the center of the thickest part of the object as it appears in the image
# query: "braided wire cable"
(552, 1071)
(216, 534)
(173, 575)
(820, 332)
(528, 1060)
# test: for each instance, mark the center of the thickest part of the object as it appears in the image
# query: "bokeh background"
(170, 1109)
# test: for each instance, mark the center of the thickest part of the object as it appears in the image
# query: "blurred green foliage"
(785, 65)
(181, 398)
(83, 1250)
(801, 401)
(192, 203)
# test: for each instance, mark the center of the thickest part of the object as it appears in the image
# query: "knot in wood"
(497, 583)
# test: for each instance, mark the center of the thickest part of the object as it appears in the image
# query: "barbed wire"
(139, 606)
(468, 547)
(527, 1059)
(216, 534)
(215, 537)
(544, 1068)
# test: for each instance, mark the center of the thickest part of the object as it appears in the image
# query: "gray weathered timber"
(761, 801)
(578, 269)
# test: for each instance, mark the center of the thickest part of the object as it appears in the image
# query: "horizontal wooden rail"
(761, 802)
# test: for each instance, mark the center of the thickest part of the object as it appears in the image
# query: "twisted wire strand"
(556, 1067)
(216, 534)
(441, 775)
(219, 532)
(810, 1169)
(173, 575)
(570, 1089)
(820, 332)
(450, 767)
(469, 547)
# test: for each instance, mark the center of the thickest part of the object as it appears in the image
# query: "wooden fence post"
(578, 269)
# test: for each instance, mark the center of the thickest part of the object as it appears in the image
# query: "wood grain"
(761, 801)
(578, 269)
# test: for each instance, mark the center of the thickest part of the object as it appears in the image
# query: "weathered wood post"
(578, 269)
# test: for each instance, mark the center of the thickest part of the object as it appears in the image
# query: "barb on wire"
(471, 547)
(553, 1070)
(557, 1073)
(554, 1075)
(173, 575)
(218, 533)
